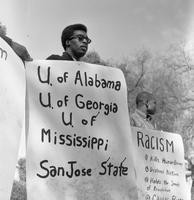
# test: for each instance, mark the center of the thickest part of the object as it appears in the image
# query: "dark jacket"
(65, 56)
(7, 39)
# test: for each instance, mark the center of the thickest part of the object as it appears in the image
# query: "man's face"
(151, 107)
(78, 43)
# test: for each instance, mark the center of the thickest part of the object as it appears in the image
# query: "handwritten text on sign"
(79, 134)
(12, 107)
(159, 164)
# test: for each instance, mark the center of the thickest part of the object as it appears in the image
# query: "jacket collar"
(141, 114)
(70, 56)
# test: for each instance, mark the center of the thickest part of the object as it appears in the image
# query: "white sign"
(159, 165)
(79, 142)
(12, 107)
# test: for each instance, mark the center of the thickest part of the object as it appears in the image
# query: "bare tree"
(94, 58)
(166, 76)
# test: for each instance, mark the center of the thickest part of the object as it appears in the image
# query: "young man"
(75, 43)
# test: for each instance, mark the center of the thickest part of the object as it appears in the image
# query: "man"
(145, 108)
(75, 43)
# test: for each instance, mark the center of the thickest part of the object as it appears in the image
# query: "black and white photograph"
(97, 100)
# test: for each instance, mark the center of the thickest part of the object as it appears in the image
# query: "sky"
(117, 27)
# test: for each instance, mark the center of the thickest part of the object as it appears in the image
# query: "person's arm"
(21, 51)
(7, 39)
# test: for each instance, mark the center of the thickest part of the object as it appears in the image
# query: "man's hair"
(68, 32)
(143, 98)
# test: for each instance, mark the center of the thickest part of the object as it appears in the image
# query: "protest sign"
(79, 139)
(12, 108)
(159, 165)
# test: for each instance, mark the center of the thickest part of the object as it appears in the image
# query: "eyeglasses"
(81, 38)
